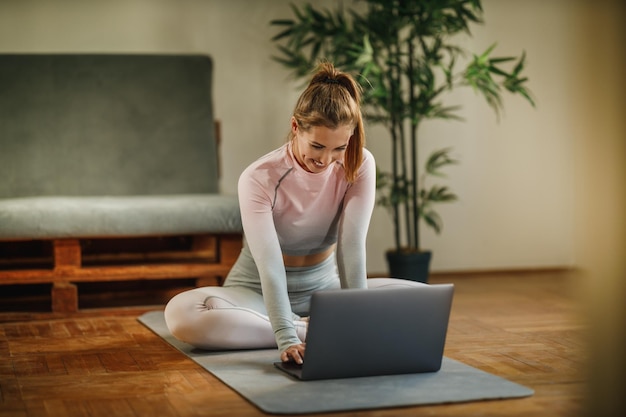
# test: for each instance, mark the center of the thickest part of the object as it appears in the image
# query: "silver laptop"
(384, 331)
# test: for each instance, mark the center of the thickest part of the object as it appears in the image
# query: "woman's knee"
(180, 311)
(217, 318)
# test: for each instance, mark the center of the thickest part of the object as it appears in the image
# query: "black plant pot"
(414, 266)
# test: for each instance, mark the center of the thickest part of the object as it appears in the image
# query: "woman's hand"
(294, 353)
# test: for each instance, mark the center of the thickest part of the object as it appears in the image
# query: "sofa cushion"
(106, 124)
(117, 216)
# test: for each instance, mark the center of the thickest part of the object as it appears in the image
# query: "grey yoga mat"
(252, 374)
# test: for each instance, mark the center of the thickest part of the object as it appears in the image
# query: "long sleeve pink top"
(286, 209)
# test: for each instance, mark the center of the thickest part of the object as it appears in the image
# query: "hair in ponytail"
(333, 99)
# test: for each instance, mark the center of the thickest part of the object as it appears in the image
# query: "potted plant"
(403, 52)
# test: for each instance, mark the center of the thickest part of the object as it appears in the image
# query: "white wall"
(516, 180)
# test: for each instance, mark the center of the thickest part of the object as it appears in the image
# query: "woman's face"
(319, 147)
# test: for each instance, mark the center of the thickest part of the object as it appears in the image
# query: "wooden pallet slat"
(206, 258)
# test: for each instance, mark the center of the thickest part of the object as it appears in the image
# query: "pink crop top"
(286, 209)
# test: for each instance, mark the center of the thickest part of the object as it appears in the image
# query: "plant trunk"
(393, 130)
(415, 191)
(414, 151)
(394, 163)
(402, 149)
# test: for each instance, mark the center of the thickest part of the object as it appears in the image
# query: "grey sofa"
(109, 171)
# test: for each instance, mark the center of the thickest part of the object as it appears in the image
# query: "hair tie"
(329, 80)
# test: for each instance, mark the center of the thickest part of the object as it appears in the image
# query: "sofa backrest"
(106, 124)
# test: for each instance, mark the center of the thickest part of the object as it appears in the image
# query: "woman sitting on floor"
(305, 208)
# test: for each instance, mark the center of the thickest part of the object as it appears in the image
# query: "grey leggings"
(234, 316)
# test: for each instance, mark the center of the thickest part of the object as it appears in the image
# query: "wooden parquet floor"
(523, 327)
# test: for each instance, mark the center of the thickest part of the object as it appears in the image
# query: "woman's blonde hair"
(333, 99)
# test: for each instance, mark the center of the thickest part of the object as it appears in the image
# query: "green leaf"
(437, 160)
(484, 57)
(520, 65)
(440, 194)
(501, 59)
(498, 71)
(282, 22)
(447, 113)
(433, 220)
(283, 34)
(367, 54)
(297, 12)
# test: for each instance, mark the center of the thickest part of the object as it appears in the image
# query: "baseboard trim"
(492, 271)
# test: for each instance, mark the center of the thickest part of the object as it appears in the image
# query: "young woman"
(305, 209)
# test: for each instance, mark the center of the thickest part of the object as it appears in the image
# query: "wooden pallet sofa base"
(205, 258)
